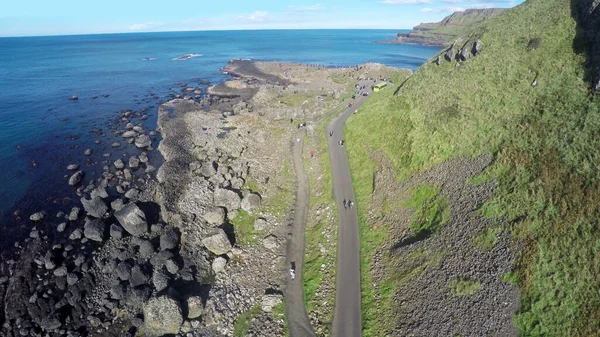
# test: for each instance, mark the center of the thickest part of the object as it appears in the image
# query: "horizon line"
(193, 31)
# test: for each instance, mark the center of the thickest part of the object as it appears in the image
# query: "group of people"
(348, 204)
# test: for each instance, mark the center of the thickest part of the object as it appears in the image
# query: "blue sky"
(44, 17)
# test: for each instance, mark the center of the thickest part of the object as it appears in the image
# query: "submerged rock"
(73, 167)
(76, 178)
(143, 141)
(39, 216)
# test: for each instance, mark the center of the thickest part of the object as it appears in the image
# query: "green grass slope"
(545, 140)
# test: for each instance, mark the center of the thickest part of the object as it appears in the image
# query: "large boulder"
(207, 169)
(215, 216)
(133, 219)
(129, 134)
(250, 202)
(94, 230)
(449, 55)
(477, 46)
(162, 316)
(76, 178)
(228, 199)
(94, 207)
(218, 243)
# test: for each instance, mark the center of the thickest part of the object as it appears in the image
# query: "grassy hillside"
(450, 28)
(526, 101)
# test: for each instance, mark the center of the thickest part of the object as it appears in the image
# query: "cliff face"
(451, 27)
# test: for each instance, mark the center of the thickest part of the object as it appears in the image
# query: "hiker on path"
(345, 204)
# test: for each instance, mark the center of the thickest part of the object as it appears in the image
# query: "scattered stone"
(129, 126)
(134, 162)
(119, 164)
(61, 227)
(124, 270)
(74, 214)
(215, 216)
(146, 249)
(76, 178)
(129, 134)
(143, 141)
(195, 307)
(87, 152)
(116, 232)
(217, 243)
(160, 280)
(260, 224)
(172, 266)
(74, 98)
(117, 292)
(94, 207)
(117, 204)
(94, 230)
(99, 192)
(60, 271)
(39, 216)
(72, 279)
(169, 240)
(162, 316)
(228, 199)
(115, 144)
(250, 202)
(133, 219)
(270, 242)
(218, 264)
(132, 194)
(73, 167)
(270, 301)
(150, 169)
(76, 234)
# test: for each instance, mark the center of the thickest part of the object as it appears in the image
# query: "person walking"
(345, 204)
(330, 133)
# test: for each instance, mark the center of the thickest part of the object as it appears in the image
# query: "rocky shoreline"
(196, 243)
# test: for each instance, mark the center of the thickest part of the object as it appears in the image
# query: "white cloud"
(452, 9)
(257, 16)
(406, 2)
(312, 8)
(145, 26)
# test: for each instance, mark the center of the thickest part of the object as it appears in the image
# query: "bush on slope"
(545, 143)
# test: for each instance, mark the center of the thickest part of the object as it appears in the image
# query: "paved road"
(347, 321)
(298, 322)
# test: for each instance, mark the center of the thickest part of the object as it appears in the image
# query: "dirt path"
(298, 322)
(347, 321)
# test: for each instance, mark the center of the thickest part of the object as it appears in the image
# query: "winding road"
(347, 314)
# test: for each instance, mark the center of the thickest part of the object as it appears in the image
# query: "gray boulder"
(195, 307)
(124, 270)
(138, 276)
(169, 240)
(228, 199)
(133, 219)
(129, 134)
(449, 55)
(260, 224)
(215, 216)
(477, 46)
(117, 204)
(162, 316)
(146, 249)
(99, 192)
(116, 232)
(61, 227)
(119, 164)
(73, 167)
(134, 162)
(160, 280)
(217, 243)
(37, 216)
(207, 169)
(76, 178)
(74, 214)
(132, 194)
(250, 202)
(95, 230)
(143, 141)
(218, 264)
(94, 207)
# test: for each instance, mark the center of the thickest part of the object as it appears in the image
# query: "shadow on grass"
(587, 39)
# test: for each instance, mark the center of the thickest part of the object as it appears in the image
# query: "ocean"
(41, 131)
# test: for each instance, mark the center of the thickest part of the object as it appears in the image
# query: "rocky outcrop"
(443, 33)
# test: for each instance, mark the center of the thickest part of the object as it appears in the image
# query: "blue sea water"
(41, 131)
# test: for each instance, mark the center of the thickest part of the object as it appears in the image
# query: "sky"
(65, 17)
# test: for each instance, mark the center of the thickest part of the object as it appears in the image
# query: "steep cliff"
(451, 27)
